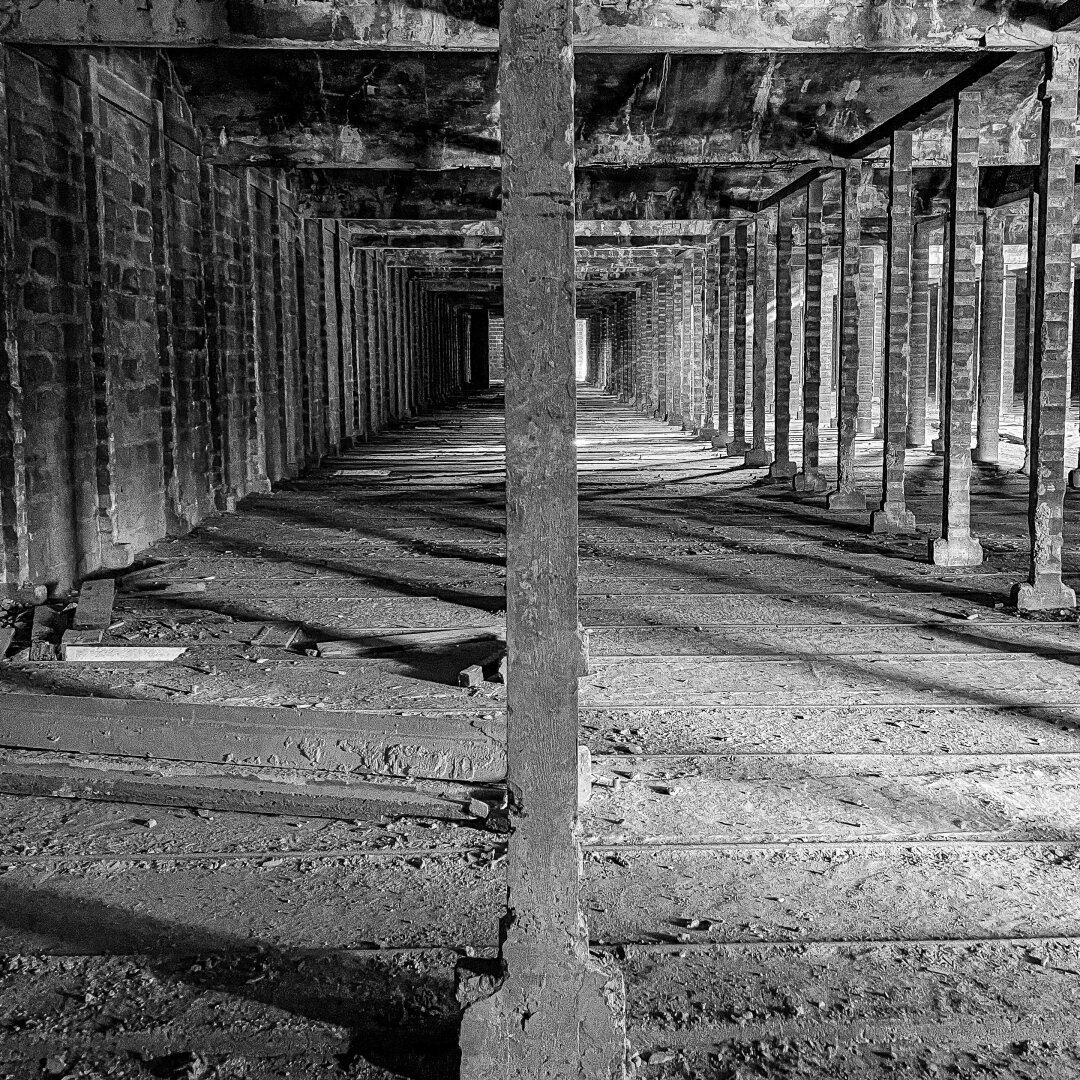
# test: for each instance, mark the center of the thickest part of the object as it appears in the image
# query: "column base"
(675, 421)
(892, 519)
(500, 1037)
(984, 457)
(757, 457)
(810, 483)
(657, 414)
(707, 434)
(721, 441)
(956, 551)
(937, 445)
(1046, 594)
(738, 447)
(782, 470)
(1074, 478)
(845, 500)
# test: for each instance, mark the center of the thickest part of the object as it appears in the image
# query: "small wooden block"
(81, 637)
(473, 675)
(46, 632)
(94, 610)
(120, 654)
(275, 637)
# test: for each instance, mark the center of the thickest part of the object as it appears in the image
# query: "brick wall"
(176, 335)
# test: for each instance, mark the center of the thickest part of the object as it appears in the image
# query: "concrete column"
(847, 496)
(920, 334)
(1052, 355)
(991, 336)
(783, 468)
(663, 337)
(957, 547)
(690, 349)
(710, 317)
(939, 333)
(864, 422)
(726, 274)
(758, 455)
(810, 477)
(738, 444)
(1031, 325)
(893, 514)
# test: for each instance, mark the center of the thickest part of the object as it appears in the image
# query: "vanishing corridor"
(834, 818)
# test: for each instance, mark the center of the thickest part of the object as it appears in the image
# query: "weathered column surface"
(919, 367)
(783, 467)
(810, 478)
(957, 547)
(726, 277)
(991, 324)
(893, 516)
(1050, 361)
(738, 444)
(710, 314)
(556, 1014)
(758, 454)
(1031, 327)
(847, 496)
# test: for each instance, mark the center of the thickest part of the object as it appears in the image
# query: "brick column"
(810, 477)
(864, 422)
(1051, 356)
(710, 289)
(957, 547)
(783, 468)
(690, 348)
(726, 277)
(663, 333)
(991, 337)
(758, 455)
(920, 334)
(1031, 326)
(847, 496)
(738, 444)
(893, 515)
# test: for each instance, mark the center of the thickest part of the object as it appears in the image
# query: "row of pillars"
(678, 346)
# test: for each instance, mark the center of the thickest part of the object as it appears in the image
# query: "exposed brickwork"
(175, 335)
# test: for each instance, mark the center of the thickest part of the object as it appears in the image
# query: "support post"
(810, 478)
(723, 342)
(555, 1014)
(920, 334)
(758, 455)
(1050, 361)
(738, 444)
(893, 516)
(957, 547)
(847, 495)
(991, 338)
(711, 317)
(783, 468)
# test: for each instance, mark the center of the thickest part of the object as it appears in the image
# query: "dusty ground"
(834, 833)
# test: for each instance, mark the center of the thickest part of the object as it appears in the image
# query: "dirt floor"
(834, 830)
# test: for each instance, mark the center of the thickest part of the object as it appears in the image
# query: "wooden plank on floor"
(230, 793)
(94, 610)
(455, 747)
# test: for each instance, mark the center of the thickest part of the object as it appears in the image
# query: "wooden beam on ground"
(1051, 360)
(436, 746)
(556, 1014)
(150, 782)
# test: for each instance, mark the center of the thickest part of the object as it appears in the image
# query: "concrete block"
(892, 519)
(1045, 595)
(846, 500)
(956, 551)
